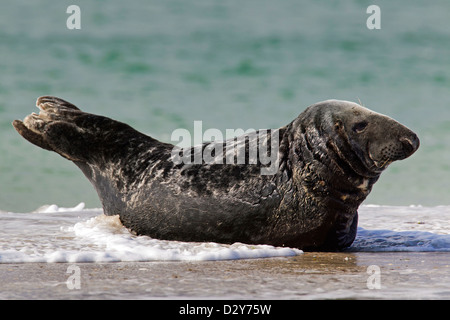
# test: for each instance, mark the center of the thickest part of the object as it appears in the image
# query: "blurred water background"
(161, 65)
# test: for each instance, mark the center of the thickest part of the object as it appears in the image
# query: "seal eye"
(360, 126)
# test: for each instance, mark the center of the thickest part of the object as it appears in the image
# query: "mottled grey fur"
(329, 158)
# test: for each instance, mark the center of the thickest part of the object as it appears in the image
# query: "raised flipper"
(40, 129)
(78, 136)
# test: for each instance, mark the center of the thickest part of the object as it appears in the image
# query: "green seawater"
(161, 65)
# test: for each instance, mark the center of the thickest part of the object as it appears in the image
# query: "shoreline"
(312, 275)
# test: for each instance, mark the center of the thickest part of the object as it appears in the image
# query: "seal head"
(337, 151)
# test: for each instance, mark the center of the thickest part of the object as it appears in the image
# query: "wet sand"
(308, 276)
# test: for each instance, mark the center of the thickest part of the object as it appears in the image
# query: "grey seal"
(329, 157)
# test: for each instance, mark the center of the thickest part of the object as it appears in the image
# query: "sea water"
(161, 65)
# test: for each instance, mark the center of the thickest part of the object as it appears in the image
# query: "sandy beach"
(307, 276)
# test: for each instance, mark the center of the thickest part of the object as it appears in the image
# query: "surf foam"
(55, 234)
(102, 238)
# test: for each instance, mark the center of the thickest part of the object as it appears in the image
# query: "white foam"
(57, 234)
(103, 238)
(54, 208)
(119, 244)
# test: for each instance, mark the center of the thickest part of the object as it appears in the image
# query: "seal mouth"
(377, 165)
(373, 165)
(404, 148)
(380, 164)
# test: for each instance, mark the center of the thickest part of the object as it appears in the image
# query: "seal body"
(329, 157)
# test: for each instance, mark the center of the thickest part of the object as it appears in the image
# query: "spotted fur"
(329, 158)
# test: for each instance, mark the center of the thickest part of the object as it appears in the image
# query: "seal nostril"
(407, 145)
(411, 144)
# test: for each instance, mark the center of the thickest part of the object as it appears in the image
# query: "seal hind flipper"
(78, 136)
(83, 137)
(34, 125)
(51, 126)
